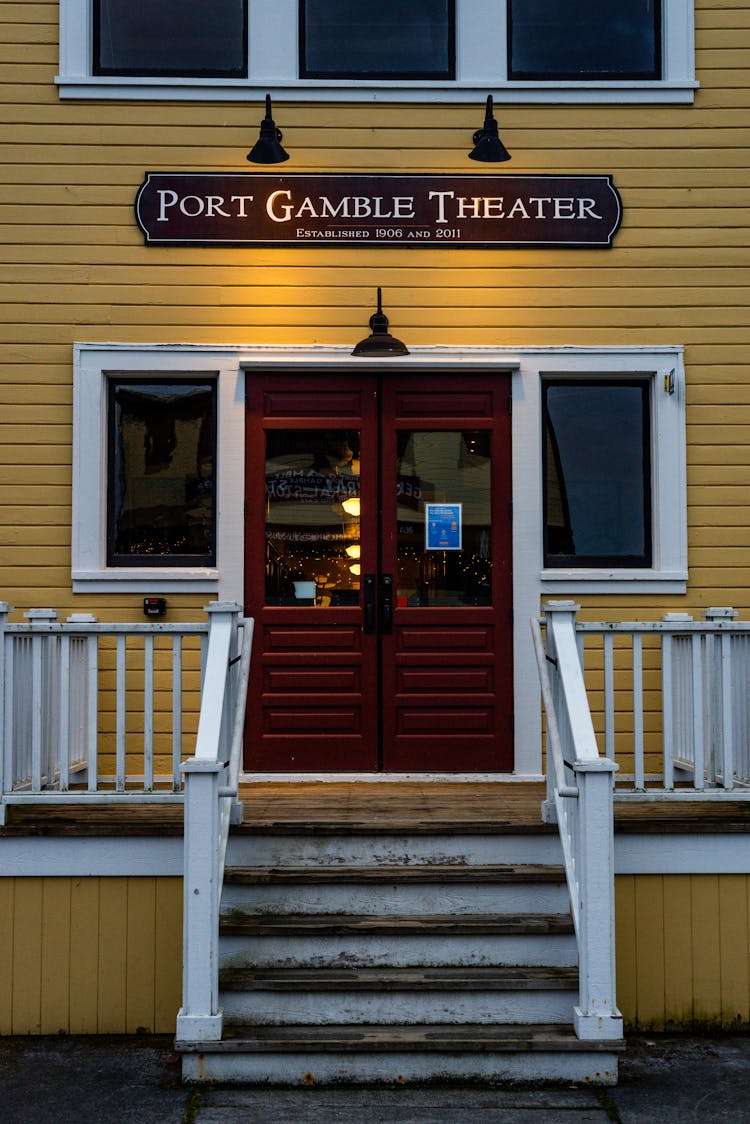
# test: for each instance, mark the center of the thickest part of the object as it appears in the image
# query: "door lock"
(386, 603)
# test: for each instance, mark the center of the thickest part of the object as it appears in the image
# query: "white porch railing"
(579, 798)
(673, 703)
(82, 696)
(93, 712)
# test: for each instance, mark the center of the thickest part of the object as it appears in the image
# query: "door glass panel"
(312, 517)
(450, 468)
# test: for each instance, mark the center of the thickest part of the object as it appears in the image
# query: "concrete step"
(388, 890)
(405, 995)
(307, 1054)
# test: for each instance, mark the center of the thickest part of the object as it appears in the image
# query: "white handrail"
(583, 811)
(562, 788)
(211, 779)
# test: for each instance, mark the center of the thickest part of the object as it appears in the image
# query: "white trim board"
(160, 857)
(234, 364)
(481, 65)
(727, 853)
(24, 856)
(389, 778)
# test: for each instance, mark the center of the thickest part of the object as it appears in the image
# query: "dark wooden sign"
(261, 209)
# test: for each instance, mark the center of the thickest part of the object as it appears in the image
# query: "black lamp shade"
(267, 149)
(487, 144)
(380, 344)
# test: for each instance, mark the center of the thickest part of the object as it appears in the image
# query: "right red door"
(446, 647)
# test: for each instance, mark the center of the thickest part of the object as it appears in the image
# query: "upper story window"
(377, 39)
(584, 39)
(172, 37)
(423, 50)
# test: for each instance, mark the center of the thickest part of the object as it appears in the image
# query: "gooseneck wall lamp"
(267, 148)
(487, 144)
(380, 344)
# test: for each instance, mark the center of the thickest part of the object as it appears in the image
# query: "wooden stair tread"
(531, 978)
(428, 872)
(393, 826)
(326, 924)
(435, 1038)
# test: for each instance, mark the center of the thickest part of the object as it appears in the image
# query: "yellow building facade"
(88, 299)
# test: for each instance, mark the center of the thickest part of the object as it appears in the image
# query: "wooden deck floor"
(407, 806)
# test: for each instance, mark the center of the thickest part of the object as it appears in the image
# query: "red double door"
(378, 571)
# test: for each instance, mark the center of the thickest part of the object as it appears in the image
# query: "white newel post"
(200, 1019)
(597, 1015)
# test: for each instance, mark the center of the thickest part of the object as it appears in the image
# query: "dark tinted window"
(597, 489)
(162, 456)
(387, 39)
(584, 39)
(171, 37)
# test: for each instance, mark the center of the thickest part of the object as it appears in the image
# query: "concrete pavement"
(127, 1080)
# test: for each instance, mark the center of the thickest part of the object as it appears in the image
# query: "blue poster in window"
(442, 526)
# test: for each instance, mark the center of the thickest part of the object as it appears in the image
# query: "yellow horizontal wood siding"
(77, 269)
(683, 951)
(90, 955)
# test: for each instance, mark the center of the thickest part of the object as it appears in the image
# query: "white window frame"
(663, 370)
(93, 365)
(481, 65)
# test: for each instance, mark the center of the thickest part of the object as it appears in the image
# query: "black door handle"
(386, 603)
(369, 622)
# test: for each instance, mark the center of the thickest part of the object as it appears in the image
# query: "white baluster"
(40, 644)
(639, 764)
(722, 688)
(148, 712)
(6, 687)
(176, 711)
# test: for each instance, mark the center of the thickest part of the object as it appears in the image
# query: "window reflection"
(444, 468)
(585, 39)
(597, 474)
(342, 39)
(161, 506)
(312, 517)
(170, 37)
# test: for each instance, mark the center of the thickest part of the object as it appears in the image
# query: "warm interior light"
(355, 569)
(351, 506)
(354, 550)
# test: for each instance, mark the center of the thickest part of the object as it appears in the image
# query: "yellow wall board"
(90, 955)
(683, 951)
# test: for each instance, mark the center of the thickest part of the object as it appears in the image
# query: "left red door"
(311, 469)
